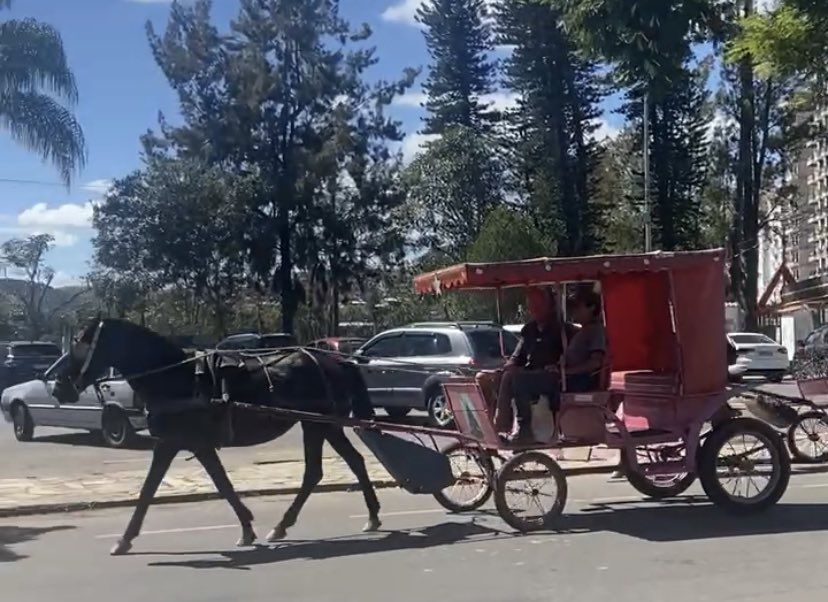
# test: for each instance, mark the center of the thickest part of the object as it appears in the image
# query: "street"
(610, 544)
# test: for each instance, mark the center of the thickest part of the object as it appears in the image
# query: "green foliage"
(507, 236)
(452, 187)
(618, 187)
(192, 217)
(283, 99)
(458, 39)
(34, 78)
(552, 151)
(788, 41)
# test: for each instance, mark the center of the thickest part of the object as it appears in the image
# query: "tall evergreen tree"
(459, 42)
(258, 101)
(551, 129)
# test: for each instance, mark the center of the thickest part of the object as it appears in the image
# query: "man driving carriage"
(533, 370)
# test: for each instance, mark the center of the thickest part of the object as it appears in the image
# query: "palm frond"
(32, 59)
(42, 125)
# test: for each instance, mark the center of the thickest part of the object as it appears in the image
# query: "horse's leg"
(162, 456)
(212, 464)
(343, 446)
(313, 438)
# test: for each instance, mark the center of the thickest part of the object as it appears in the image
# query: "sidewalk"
(187, 482)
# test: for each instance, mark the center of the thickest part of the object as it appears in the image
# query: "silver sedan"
(116, 413)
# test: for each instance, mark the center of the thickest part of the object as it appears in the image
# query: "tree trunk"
(285, 275)
(749, 203)
(335, 307)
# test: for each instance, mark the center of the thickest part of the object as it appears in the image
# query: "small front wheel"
(743, 466)
(473, 471)
(530, 492)
(808, 438)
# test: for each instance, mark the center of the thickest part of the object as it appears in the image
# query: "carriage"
(663, 402)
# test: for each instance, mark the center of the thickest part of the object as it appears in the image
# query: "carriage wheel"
(530, 491)
(658, 487)
(743, 466)
(473, 471)
(808, 438)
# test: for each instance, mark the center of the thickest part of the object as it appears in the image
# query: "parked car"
(118, 414)
(404, 367)
(343, 345)
(249, 341)
(24, 360)
(762, 355)
(815, 342)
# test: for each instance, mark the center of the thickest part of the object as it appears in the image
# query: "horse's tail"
(360, 399)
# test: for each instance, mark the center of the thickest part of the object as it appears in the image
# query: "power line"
(29, 182)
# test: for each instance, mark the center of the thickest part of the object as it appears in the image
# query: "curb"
(182, 498)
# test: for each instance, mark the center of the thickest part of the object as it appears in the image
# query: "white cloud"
(100, 186)
(68, 215)
(605, 130)
(500, 101)
(405, 11)
(62, 279)
(411, 99)
(414, 144)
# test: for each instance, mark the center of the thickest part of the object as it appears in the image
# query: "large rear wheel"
(23, 423)
(530, 492)
(473, 471)
(743, 466)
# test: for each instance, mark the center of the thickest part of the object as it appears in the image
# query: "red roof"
(546, 270)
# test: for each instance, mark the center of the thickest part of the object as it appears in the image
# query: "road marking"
(179, 530)
(813, 486)
(402, 513)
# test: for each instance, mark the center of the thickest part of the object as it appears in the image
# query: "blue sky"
(121, 93)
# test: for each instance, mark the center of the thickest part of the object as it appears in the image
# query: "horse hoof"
(122, 547)
(247, 538)
(373, 524)
(278, 533)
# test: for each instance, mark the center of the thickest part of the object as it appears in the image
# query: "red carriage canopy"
(664, 312)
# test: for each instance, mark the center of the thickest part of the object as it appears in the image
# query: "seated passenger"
(585, 351)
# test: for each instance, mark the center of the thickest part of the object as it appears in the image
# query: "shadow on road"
(10, 536)
(428, 537)
(686, 519)
(86, 439)
(692, 518)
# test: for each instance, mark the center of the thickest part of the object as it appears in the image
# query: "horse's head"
(88, 361)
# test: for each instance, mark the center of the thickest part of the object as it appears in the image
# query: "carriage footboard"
(418, 469)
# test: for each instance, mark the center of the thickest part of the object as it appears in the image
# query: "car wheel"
(116, 428)
(439, 412)
(23, 424)
(397, 413)
(776, 378)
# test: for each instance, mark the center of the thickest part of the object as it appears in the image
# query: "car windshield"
(752, 339)
(35, 350)
(486, 343)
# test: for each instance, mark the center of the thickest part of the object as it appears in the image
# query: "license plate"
(765, 353)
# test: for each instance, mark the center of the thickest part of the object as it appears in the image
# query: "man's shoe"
(524, 436)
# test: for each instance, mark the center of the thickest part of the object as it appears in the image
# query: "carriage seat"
(645, 382)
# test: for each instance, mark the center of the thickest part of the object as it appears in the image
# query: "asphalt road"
(611, 546)
(57, 452)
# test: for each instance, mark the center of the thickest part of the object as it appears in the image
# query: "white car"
(117, 414)
(761, 355)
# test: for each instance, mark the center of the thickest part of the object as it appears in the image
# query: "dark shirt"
(539, 348)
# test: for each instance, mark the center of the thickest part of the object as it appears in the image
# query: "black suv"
(251, 341)
(26, 360)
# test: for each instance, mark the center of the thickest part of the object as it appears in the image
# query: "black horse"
(177, 389)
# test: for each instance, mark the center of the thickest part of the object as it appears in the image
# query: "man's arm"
(518, 359)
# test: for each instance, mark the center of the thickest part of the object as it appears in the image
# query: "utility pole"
(648, 232)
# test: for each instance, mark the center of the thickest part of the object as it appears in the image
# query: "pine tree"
(460, 71)
(552, 145)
